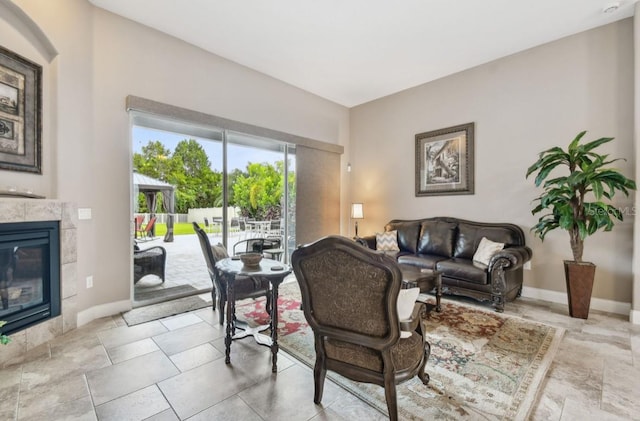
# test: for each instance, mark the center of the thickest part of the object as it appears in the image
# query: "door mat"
(165, 309)
(163, 294)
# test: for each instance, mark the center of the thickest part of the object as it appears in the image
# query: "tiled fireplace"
(29, 273)
(14, 211)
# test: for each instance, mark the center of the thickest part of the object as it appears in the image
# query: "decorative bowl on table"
(251, 259)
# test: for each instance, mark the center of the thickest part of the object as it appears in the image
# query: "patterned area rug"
(483, 365)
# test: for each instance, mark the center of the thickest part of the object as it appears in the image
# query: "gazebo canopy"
(150, 186)
(145, 184)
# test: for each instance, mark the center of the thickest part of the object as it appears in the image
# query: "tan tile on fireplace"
(69, 314)
(12, 211)
(43, 210)
(69, 216)
(69, 279)
(68, 245)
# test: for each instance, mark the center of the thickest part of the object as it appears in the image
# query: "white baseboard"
(610, 306)
(634, 317)
(102, 310)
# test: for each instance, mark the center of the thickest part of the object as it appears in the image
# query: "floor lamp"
(357, 213)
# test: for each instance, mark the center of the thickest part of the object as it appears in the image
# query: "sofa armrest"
(505, 273)
(368, 241)
(510, 258)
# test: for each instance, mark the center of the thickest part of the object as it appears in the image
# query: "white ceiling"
(355, 51)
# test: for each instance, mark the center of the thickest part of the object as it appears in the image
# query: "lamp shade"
(357, 211)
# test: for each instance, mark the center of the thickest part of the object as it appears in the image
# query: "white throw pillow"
(406, 301)
(387, 241)
(219, 252)
(486, 250)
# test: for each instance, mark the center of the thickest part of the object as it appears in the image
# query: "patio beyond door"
(233, 185)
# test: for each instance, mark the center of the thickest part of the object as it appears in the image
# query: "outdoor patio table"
(268, 269)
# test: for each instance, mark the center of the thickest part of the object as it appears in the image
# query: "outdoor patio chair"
(234, 225)
(275, 228)
(138, 220)
(350, 299)
(147, 231)
(150, 261)
(242, 228)
(245, 286)
(207, 226)
(255, 245)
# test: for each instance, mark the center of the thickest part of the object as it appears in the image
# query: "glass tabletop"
(266, 267)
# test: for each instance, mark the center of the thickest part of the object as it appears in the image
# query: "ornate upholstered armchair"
(245, 286)
(349, 296)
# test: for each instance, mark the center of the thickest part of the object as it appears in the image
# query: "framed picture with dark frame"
(444, 161)
(20, 113)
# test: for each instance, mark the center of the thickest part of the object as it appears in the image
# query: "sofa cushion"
(423, 261)
(408, 232)
(437, 237)
(387, 241)
(486, 250)
(469, 237)
(464, 269)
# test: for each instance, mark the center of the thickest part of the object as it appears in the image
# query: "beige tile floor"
(173, 369)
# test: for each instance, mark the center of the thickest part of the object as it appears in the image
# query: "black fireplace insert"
(29, 273)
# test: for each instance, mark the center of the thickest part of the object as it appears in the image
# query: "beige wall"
(13, 39)
(521, 105)
(104, 58)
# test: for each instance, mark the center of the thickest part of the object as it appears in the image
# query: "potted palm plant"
(576, 203)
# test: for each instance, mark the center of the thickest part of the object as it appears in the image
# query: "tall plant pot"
(579, 277)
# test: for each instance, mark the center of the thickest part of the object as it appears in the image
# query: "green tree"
(155, 161)
(188, 168)
(195, 162)
(198, 185)
(258, 193)
(231, 180)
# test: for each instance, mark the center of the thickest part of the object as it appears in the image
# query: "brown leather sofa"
(448, 244)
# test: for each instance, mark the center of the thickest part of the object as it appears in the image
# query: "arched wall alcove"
(17, 18)
(21, 35)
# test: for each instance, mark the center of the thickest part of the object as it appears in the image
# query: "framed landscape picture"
(444, 161)
(20, 113)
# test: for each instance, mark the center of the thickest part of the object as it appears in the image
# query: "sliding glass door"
(236, 186)
(260, 183)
